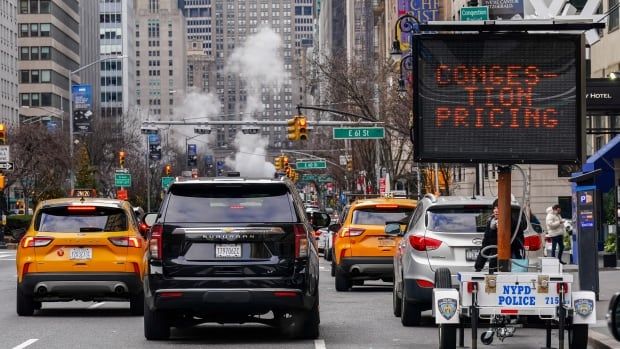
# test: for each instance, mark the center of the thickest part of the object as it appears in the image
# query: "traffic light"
(121, 158)
(292, 129)
(2, 134)
(287, 171)
(285, 162)
(350, 165)
(168, 169)
(302, 126)
(278, 161)
(2, 181)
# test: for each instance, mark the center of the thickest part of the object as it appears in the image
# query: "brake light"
(81, 208)
(533, 243)
(422, 243)
(125, 241)
(155, 241)
(171, 294)
(509, 311)
(36, 241)
(349, 232)
(301, 241)
(562, 287)
(285, 294)
(25, 269)
(424, 283)
(236, 207)
(386, 206)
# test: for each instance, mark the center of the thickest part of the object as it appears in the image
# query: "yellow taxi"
(87, 249)
(362, 250)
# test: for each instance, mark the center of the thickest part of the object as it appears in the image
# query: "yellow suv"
(362, 250)
(81, 249)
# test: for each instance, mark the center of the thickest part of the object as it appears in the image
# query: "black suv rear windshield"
(230, 203)
(84, 219)
(461, 219)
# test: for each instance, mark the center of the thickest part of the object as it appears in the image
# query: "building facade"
(49, 50)
(117, 76)
(89, 49)
(161, 60)
(9, 98)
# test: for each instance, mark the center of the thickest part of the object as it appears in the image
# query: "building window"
(23, 30)
(34, 53)
(46, 76)
(34, 76)
(34, 100)
(44, 6)
(24, 53)
(45, 29)
(25, 76)
(46, 53)
(34, 29)
(613, 15)
(23, 6)
(25, 100)
(46, 99)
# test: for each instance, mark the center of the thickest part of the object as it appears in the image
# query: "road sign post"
(358, 133)
(311, 164)
(478, 13)
(7, 166)
(122, 180)
(166, 182)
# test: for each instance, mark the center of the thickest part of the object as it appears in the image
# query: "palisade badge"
(584, 307)
(447, 307)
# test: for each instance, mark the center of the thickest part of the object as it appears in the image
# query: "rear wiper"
(89, 229)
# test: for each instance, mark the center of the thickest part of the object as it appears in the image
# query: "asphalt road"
(361, 318)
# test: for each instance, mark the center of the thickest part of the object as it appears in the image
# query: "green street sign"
(359, 132)
(311, 165)
(478, 13)
(122, 180)
(166, 182)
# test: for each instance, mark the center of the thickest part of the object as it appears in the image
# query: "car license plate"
(387, 243)
(472, 254)
(228, 251)
(81, 253)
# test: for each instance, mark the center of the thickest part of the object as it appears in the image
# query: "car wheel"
(578, 336)
(343, 283)
(447, 333)
(25, 304)
(328, 254)
(301, 325)
(136, 304)
(396, 302)
(410, 313)
(156, 326)
(333, 269)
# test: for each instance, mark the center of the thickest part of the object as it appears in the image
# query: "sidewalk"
(609, 283)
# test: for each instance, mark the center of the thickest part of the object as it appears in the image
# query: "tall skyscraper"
(49, 49)
(304, 25)
(8, 64)
(89, 49)
(118, 76)
(161, 59)
(224, 25)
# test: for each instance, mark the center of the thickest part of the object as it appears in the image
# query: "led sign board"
(499, 98)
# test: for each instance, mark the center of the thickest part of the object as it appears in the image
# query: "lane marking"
(319, 344)
(96, 305)
(26, 343)
(323, 268)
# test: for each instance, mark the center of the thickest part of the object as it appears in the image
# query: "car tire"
(136, 304)
(333, 268)
(343, 283)
(447, 333)
(25, 304)
(156, 326)
(578, 336)
(301, 325)
(328, 254)
(410, 313)
(396, 302)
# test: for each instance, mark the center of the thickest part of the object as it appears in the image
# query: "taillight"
(472, 286)
(155, 242)
(125, 241)
(301, 241)
(533, 243)
(562, 287)
(25, 269)
(36, 241)
(422, 243)
(424, 283)
(349, 232)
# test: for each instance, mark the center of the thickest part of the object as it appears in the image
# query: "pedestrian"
(555, 230)
(517, 247)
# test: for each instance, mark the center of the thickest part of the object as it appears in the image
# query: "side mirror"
(320, 219)
(613, 316)
(392, 228)
(334, 227)
(149, 219)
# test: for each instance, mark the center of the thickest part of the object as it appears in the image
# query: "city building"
(9, 98)
(117, 76)
(49, 49)
(89, 49)
(161, 59)
(199, 65)
(223, 25)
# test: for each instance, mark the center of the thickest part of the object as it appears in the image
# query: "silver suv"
(447, 232)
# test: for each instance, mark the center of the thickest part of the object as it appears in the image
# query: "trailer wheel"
(447, 333)
(578, 336)
(487, 337)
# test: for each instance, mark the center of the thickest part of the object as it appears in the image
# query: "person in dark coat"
(517, 247)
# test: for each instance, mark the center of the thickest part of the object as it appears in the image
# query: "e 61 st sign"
(359, 132)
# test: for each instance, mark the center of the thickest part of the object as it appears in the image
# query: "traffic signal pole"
(504, 226)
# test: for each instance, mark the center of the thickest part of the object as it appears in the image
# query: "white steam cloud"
(196, 107)
(259, 64)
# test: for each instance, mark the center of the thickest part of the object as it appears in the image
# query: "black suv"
(232, 250)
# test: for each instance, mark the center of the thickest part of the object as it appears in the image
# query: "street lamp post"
(71, 179)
